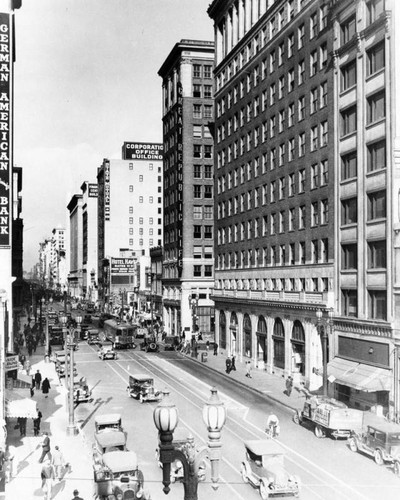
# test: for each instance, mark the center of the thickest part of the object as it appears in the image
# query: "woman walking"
(46, 387)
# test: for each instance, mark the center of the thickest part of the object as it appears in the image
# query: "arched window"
(262, 340)
(222, 330)
(278, 338)
(247, 335)
(298, 348)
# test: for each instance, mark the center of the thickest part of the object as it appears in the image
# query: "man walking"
(58, 462)
(45, 447)
(248, 369)
(47, 476)
(38, 379)
(76, 495)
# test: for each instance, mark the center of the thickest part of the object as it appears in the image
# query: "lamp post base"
(72, 430)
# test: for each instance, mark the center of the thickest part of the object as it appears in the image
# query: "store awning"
(18, 405)
(360, 376)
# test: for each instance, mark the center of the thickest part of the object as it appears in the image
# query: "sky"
(85, 82)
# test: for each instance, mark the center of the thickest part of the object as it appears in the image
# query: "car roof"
(264, 447)
(140, 377)
(93, 330)
(107, 418)
(112, 438)
(120, 461)
(379, 423)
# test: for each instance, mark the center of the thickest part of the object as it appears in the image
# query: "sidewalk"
(26, 482)
(261, 381)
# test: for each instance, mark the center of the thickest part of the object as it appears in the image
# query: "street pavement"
(26, 482)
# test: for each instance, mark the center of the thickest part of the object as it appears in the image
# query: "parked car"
(60, 367)
(380, 440)
(82, 393)
(149, 344)
(106, 351)
(108, 422)
(264, 468)
(329, 417)
(141, 387)
(171, 343)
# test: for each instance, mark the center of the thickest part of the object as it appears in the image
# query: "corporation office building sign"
(142, 151)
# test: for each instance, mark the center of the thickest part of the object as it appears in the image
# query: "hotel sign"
(180, 178)
(122, 266)
(5, 130)
(142, 151)
(107, 190)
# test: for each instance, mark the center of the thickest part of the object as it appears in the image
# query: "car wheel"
(153, 346)
(353, 444)
(264, 491)
(243, 471)
(396, 468)
(378, 457)
(297, 418)
(319, 432)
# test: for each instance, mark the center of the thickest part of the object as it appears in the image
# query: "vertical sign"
(180, 177)
(107, 190)
(5, 124)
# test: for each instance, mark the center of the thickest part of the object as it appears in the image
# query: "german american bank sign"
(5, 126)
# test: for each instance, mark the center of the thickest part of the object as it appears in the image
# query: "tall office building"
(129, 209)
(306, 192)
(188, 277)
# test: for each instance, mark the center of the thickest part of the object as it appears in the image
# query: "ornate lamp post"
(323, 333)
(43, 302)
(69, 367)
(166, 418)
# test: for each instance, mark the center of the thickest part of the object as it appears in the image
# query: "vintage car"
(171, 343)
(118, 476)
(60, 367)
(264, 468)
(149, 344)
(106, 351)
(381, 440)
(141, 387)
(108, 422)
(329, 417)
(82, 393)
(92, 336)
(104, 442)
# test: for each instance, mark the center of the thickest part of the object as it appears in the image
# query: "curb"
(239, 383)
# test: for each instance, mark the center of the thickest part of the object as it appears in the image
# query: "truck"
(329, 417)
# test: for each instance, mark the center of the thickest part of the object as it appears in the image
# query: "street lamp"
(322, 331)
(69, 339)
(166, 418)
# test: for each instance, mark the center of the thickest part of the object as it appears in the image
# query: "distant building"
(188, 115)
(58, 265)
(130, 216)
(75, 254)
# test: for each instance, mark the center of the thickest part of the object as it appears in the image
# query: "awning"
(18, 405)
(360, 376)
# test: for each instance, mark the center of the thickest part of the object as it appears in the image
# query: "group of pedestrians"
(37, 384)
(230, 364)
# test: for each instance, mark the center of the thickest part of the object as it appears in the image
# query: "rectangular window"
(197, 191)
(349, 211)
(313, 100)
(281, 89)
(377, 304)
(324, 172)
(375, 8)
(301, 71)
(376, 156)
(323, 134)
(208, 171)
(207, 71)
(302, 253)
(208, 191)
(302, 108)
(208, 91)
(323, 56)
(314, 176)
(292, 183)
(208, 270)
(347, 30)
(291, 114)
(290, 44)
(302, 216)
(196, 232)
(349, 257)
(314, 138)
(313, 63)
(196, 71)
(348, 75)
(323, 94)
(348, 120)
(376, 107)
(314, 214)
(302, 180)
(290, 80)
(196, 90)
(208, 111)
(376, 205)
(197, 271)
(197, 151)
(197, 131)
(197, 212)
(197, 171)
(376, 58)
(301, 36)
(313, 25)
(207, 151)
(282, 222)
(349, 165)
(377, 254)
(302, 144)
(292, 149)
(349, 303)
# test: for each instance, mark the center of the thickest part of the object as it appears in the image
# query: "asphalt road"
(327, 468)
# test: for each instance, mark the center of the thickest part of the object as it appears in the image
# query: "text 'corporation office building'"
(306, 188)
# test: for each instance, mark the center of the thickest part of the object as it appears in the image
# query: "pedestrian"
(45, 447)
(228, 364)
(76, 495)
(58, 462)
(38, 379)
(208, 345)
(233, 363)
(10, 465)
(28, 367)
(47, 476)
(36, 423)
(200, 336)
(46, 387)
(22, 426)
(248, 369)
(289, 385)
(215, 349)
